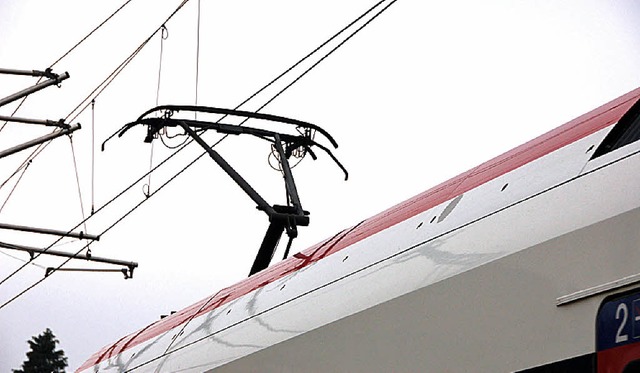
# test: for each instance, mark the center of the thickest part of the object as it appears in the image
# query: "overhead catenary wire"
(75, 167)
(197, 58)
(93, 155)
(71, 50)
(101, 208)
(215, 144)
(91, 32)
(308, 69)
(54, 269)
(324, 57)
(196, 89)
(22, 260)
(105, 83)
(308, 55)
(111, 77)
(164, 35)
(90, 97)
(242, 103)
(40, 147)
(24, 170)
(79, 109)
(23, 165)
(36, 151)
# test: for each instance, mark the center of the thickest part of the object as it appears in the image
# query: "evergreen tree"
(43, 357)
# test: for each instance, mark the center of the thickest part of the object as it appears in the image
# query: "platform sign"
(618, 321)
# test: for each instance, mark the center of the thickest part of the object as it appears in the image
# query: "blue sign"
(618, 322)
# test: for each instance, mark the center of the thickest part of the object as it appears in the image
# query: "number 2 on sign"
(622, 309)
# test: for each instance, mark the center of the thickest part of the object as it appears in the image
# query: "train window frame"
(623, 133)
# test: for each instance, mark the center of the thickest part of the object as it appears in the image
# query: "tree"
(43, 357)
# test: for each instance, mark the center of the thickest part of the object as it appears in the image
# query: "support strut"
(37, 87)
(54, 232)
(87, 257)
(39, 140)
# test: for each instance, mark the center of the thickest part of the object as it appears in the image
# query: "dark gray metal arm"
(81, 235)
(39, 140)
(45, 122)
(262, 204)
(27, 91)
(47, 73)
(88, 257)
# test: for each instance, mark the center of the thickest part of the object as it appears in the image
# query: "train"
(526, 263)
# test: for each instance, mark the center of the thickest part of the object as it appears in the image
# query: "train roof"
(555, 139)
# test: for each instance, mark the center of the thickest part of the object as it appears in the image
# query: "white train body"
(511, 266)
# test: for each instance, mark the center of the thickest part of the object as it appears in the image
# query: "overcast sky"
(425, 92)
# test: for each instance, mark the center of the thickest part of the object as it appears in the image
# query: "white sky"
(428, 90)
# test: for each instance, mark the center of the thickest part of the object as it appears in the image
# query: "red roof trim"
(566, 134)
